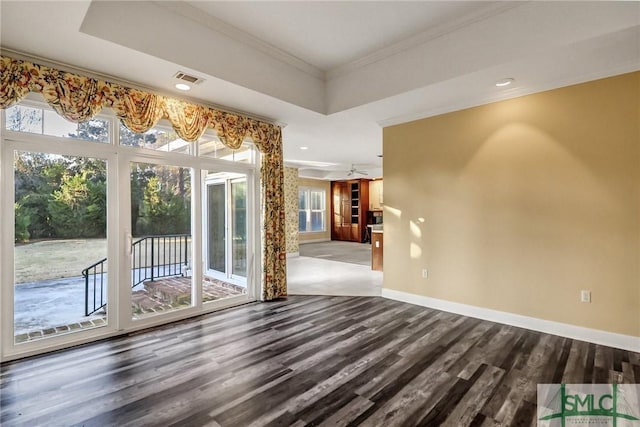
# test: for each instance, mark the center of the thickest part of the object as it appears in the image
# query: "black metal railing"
(94, 286)
(152, 257)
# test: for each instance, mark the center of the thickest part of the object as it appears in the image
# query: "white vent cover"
(188, 78)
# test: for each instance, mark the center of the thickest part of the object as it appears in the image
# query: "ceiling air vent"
(187, 78)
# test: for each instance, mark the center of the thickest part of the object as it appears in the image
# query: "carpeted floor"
(350, 252)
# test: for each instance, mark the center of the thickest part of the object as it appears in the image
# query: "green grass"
(54, 259)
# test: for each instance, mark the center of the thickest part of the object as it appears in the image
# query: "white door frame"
(119, 158)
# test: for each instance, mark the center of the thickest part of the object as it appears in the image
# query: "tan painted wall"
(291, 208)
(518, 205)
(326, 185)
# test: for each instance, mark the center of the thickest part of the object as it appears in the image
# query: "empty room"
(336, 213)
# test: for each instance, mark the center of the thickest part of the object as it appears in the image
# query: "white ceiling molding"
(519, 32)
(618, 54)
(134, 24)
(491, 9)
(216, 24)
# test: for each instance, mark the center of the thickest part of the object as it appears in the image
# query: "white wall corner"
(596, 336)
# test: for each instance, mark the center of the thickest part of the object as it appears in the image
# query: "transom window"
(28, 118)
(36, 118)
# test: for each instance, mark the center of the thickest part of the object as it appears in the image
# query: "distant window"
(311, 210)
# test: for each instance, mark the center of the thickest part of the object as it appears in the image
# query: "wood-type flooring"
(307, 360)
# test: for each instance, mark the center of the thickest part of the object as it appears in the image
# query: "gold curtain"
(78, 98)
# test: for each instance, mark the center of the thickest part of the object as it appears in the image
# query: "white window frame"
(308, 190)
(119, 158)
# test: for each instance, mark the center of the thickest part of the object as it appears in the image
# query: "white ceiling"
(332, 73)
(329, 34)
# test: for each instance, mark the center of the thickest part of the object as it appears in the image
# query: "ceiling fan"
(355, 171)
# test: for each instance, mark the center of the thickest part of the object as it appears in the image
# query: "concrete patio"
(51, 307)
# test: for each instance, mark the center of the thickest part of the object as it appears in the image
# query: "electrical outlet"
(425, 273)
(585, 296)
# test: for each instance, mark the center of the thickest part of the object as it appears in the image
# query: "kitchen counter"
(375, 228)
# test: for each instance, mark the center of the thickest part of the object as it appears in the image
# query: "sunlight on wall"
(415, 229)
(415, 250)
(393, 211)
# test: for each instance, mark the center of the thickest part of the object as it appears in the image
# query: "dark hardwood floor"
(334, 361)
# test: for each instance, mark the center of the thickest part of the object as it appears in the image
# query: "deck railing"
(152, 257)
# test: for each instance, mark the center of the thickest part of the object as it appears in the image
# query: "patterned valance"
(79, 98)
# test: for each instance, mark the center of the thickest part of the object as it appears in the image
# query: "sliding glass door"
(216, 203)
(161, 279)
(60, 244)
(109, 231)
(226, 234)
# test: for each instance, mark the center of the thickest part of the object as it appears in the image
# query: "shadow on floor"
(349, 252)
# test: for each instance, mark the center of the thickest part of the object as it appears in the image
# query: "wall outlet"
(585, 296)
(425, 273)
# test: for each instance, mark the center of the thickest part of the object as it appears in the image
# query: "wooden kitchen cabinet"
(377, 240)
(349, 205)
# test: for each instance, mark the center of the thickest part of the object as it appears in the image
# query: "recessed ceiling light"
(304, 148)
(182, 86)
(504, 82)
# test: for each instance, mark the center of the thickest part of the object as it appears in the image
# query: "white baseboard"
(596, 336)
(293, 254)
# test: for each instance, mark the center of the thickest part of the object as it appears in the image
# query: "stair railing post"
(152, 259)
(85, 273)
(186, 264)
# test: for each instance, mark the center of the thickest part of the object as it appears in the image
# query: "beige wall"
(291, 208)
(518, 205)
(326, 185)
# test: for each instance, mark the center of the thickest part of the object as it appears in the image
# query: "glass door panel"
(227, 235)
(60, 249)
(216, 226)
(239, 227)
(161, 239)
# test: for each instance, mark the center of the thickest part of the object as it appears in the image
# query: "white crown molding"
(241, 36)
(491, 10)
(513, 93)
(215, 24)
(596, 336)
